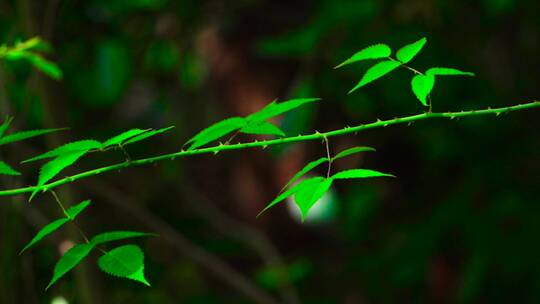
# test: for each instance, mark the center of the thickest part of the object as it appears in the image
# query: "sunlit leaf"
(407, 53)
(291, 191)
(421, 86)
(375, 72)
(25, 135)
(147, 135)
(308, 194)
(310, 166)
(447, 71)
(76, 146)
(53, 226)
(69, 260)
(117, 235)
(125, 262)
(359, 173)
(353, 150)
(120, 138)
(216, 131)
(262, 128)
(52, 168)
(73, 211)
(371, 52)
(45, 231)
(7, 170)
(277, 108)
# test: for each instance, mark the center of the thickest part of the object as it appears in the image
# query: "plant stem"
(265, 143)
(68, 216)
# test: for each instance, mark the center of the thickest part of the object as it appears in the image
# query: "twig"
(265, 143)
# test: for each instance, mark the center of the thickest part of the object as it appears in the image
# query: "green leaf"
(53, 226)
(447, 71)
(55, 166)
(118, 139)
(73, 211)
(359, 173)
(45, 231)
(407, 53)
(76, 146)
(291, 191)
(421, 86)
(147, 134)
(47, 67)
(7, 170)
(310, 166)
(274, 108)
(25, 135)
(309, 194)
(353, 150)
(262, 128)
(216, 131)
(117, 235)
(375, 72)
(5, 125)
(69, 260)
(371, 52)
(125, 262)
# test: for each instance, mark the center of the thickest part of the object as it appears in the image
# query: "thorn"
(378, 120)
(409, 123)
(452, 117)
(216, 152)
(498, 113)
(264, 147)
(385, 125)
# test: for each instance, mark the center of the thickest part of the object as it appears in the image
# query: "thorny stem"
(265, 143)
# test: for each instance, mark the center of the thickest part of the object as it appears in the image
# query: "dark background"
(459, 224)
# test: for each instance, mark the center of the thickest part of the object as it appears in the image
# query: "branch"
(265, 143)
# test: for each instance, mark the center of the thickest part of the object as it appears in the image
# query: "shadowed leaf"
(5, 125)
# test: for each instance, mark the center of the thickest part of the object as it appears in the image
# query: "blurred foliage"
(459, 225)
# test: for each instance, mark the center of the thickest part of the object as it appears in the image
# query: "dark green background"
(459, 224)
